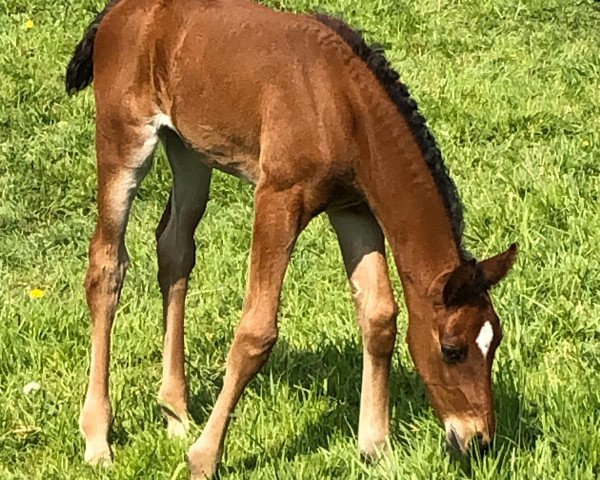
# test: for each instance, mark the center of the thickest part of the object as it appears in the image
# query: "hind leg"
(176, 258)
(124, 155)
(362, 244)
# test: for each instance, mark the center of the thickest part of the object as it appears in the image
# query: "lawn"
(511, 89)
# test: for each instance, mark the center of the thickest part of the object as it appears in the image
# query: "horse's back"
(233, 77)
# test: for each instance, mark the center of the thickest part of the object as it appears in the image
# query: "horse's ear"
(495, 268)
(459, 284)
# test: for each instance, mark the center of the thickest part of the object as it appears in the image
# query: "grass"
(511, 91)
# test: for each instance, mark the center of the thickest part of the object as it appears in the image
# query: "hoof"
(98, 454)
(178, 424)
(94, 423)
(374, 450)
(203, 463)
(176, 427)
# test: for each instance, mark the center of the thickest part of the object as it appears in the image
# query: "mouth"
(476, 447)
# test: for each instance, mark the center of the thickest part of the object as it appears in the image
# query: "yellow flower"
(29, 24)
(36, 293)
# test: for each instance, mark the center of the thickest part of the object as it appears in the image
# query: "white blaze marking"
(484, 339)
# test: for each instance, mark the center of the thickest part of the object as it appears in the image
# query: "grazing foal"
(300, 106)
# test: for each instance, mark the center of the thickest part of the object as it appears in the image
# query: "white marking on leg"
(126, 185)
(141, 160)
(163, 120)
(485, 337)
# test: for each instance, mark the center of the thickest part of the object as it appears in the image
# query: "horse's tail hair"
(80, 71)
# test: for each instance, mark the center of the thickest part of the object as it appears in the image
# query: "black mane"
(375, 59)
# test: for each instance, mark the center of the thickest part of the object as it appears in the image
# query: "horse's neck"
(401, 190)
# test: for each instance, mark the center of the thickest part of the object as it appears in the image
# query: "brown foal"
(300, 106)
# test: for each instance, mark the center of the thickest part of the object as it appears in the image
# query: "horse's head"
(455, 352)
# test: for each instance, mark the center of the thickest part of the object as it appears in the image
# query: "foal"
(301, 107)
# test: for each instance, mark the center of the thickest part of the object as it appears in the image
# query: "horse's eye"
(453, 354)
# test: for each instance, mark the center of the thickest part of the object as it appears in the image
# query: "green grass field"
(511, 89)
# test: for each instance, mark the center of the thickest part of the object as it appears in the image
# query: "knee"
(379, 326)
(257, 343)
(176, 258)
(250, 350)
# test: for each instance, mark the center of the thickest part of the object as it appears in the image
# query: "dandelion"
(36, 293)
(29, 24)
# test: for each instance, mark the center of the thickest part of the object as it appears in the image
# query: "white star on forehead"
(485, 337)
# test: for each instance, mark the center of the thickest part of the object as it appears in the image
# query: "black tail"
(80, 71)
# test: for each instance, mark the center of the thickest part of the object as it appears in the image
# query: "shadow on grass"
(117, 433)
(335, 371)
(518, 426)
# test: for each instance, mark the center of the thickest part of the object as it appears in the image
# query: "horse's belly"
(237, 164)
(233, 154)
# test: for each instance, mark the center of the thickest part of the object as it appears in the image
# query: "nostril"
(485, 448)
